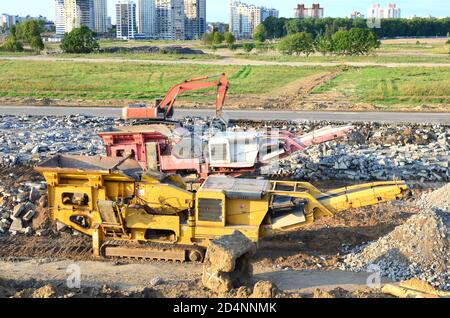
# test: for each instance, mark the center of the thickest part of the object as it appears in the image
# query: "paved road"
(242, 114)
(220, 62)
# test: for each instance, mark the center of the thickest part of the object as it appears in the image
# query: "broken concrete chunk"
(16, 226)
(34, 194)
(28, 230)
(227, 262)
(29, 215)
(156, 281)
(18, 210)
(60, 227)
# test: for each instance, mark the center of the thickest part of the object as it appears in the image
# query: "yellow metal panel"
(246, 212)
(139, 219)
(165, 198)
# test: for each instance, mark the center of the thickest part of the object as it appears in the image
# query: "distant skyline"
(217, 9)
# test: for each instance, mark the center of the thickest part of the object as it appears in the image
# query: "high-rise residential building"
(195, 19)
(245, 18)
(170, 19)
(59, 17)
(378, 12)
(7, 21)
(109, 22)
(302, 12)
(78, 13)
(146, 17)
(100, 16)
(126, 19)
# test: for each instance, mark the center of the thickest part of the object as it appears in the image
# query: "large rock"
(29, 215)
(19, 210)
(227, 262)
(265, 289)
(16, 226)
(34, 194)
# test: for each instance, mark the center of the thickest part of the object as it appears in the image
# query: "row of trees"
(25, 33)
(280, 27)
(355, 41)
(217, 38)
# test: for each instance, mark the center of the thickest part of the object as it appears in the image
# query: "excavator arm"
(165, 107)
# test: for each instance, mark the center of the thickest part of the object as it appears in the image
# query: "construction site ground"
(299, 263)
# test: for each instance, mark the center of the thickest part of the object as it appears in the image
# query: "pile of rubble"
(420, 248)
(23, 207)
(381, 152)
(418, 152)
(26, 140)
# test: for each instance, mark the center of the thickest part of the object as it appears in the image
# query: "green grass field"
(391, 86)
(133, 81)
(428, 48)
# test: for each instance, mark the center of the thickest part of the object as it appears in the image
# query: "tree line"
(355, 41)
(417, 27)
(25, 33)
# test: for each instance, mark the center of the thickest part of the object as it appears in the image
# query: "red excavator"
(163, 109)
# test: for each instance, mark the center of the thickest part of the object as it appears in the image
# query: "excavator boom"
(164, 109)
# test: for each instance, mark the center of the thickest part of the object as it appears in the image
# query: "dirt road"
(383, 117)
(135, 277)
(224, 61)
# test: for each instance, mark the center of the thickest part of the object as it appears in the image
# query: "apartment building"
(170, 19)
(302, 12)
(100, 16)
(78, 13)
(146, 18)
(244, 18)
(7, 21)
(379, 12)
(59, 17)
(126, 19)
(195, 19)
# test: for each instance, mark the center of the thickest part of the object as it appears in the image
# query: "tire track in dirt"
(287, 96)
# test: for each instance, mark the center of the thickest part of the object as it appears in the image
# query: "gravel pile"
(376, 152)
(30, 139)
(23, 205)
(420, 248)
(382, 152)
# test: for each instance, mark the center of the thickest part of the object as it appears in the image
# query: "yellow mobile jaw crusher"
(153, 216)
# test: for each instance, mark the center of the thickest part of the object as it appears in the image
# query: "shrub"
(297, 43)
(248, 47)
(229, 38)
(79, 40)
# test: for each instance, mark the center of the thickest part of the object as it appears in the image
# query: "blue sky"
(217, 9)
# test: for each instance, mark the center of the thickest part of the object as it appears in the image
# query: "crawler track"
(116, 249)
